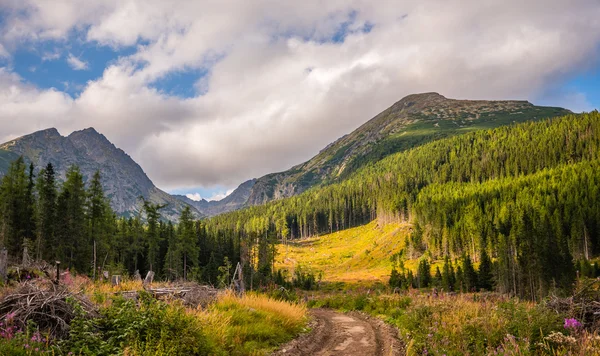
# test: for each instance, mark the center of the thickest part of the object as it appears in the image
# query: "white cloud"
(220, 195)
(278, 88)
(76, 63)
(194, 196)
(50, 56)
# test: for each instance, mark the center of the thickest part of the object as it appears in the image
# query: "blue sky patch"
(46, 65)
(180, 83)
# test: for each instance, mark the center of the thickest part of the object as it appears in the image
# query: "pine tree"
(173, 258)
(485, 277)
(437, 280)
(15, 210)
(187, 241)
(71, 231)
(47, 244)
(153, 234)
(30, 208)
(470, 276)
(460, 280)
(97, 216)
(394, 281)
(424, 274)
(410, 280)
(448, 278)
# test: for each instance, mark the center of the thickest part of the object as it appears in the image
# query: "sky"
(207, 94)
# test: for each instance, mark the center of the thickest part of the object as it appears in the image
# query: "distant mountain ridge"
(124, 181)
(236, 200)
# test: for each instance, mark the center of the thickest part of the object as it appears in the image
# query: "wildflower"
(10, 316)
(36, 337)
(572, 324)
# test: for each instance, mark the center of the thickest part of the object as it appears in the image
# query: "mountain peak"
(419, 101)
(90, 131)
(423, 97)
(47, 133)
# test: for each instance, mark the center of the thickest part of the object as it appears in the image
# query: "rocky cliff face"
(412, 121)
(123, 179)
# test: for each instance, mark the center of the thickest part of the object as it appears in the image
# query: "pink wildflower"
(572, 324)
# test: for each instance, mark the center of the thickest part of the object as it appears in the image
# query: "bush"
(153, 327)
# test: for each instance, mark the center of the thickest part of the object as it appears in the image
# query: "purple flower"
(572, 324)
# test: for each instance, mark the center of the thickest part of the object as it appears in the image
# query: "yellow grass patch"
(358, 254)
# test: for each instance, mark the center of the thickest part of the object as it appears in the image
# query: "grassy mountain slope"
(412, 121)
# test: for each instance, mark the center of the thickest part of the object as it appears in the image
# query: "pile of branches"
(191, 294)
(51, 307)
(584, 305)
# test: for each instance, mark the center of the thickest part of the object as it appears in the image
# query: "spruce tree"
(485, 277)
(448, 278)
(394, 281)
(15, 210)
(74, 243)
(47, 215)
(437, 280)
(153, 234)
(424, 274)
(470, 276)
(187, 241)
(97, 216)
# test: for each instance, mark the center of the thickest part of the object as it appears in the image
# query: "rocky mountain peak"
(124, 181)
(418, 102)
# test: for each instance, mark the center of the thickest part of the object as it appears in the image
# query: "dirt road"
(336, 333)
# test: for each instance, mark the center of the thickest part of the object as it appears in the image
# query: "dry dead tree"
(191, 294)
(584, 305)
(50, 306)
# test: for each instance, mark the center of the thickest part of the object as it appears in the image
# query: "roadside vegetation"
(120, 324)
(472, 323)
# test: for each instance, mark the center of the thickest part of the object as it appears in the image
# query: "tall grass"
(257, 324)
(233, 325)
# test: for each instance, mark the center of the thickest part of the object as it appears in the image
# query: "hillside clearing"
(360, 254)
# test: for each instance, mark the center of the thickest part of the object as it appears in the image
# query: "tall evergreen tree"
(98, 216)
(153, 234)
(424, 274)
(15, 210)
(47, 244)
(187, 241)
(448, 277)
(485, 277)
(71, 232)
(469, 274)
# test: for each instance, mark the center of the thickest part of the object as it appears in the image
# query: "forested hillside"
(525, 194)
(412, 121)
(542, 215)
